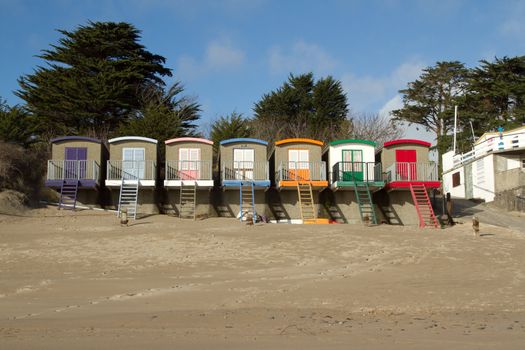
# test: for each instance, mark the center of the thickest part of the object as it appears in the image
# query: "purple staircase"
(68, 194)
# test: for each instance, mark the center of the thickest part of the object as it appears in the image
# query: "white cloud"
(219, 56)
(513, 25)
(367, 93)
(301, 57)
(223, 55)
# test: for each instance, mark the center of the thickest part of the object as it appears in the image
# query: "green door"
(352, 165)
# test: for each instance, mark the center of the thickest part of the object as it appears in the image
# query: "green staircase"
(247, 200)
(364, 200)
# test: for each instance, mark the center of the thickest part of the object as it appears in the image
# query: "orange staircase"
(423, 206)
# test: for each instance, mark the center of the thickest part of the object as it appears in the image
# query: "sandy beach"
(78, 280)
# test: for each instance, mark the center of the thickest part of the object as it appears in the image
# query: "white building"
(495, 165)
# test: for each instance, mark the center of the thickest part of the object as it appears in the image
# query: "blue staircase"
(68, 194)
(247, 200)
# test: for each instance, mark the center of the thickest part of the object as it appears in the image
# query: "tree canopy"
(229, 127)
(92, 79)
(16, 125)
(163, 115)
(429, 100)
(496, 94)
(301, 107)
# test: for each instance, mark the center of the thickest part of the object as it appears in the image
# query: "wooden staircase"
(364, 200)
(188, 200)
(306, 202)
(423, 206)
(129, 194)
(68, 194)
(247, 200)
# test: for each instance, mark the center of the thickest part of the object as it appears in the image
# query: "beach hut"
(244, 177)
(299, 175)
(354, 176)
(132, 171)
(493, 170)
(188, 175)
(409, 176)
(74, 169)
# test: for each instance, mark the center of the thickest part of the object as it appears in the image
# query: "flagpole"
(455, 125)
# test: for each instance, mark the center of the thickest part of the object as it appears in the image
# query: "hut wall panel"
(94, 150)
(388, 154)
(150, 149)
(172, 150)
(226, 152)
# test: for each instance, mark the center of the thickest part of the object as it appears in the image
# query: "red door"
(406, 164)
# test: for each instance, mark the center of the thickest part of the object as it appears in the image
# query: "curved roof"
(261, 142)
(407, 141)
(132, 138)
(188, 139)
(75, 138)
(299, 140)
(363, 142)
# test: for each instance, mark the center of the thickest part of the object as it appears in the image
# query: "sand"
(81, 281)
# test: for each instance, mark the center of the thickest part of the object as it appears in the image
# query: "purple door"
(75, 163)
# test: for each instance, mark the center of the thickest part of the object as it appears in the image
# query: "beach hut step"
(423, 206)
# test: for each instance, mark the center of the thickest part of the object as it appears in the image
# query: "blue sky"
(229, 53)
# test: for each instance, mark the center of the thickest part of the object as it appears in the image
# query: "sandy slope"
(79, 280)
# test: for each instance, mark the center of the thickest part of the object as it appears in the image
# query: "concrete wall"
(172, 150)
(115, 149)
(94, 149)
(148, 201)
(203, 209)
(388, 154)
(284, 205)
(340, 206)
(509, 180)
(402, 204)
(226, 203)
(513, 200)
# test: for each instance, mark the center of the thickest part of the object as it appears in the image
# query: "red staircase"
(423, 206)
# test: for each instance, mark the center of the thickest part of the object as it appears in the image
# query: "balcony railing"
(492, 144)
(73, 169)
(403, 171)
(256, 171)
(357, 172)
(131, 169)
(188, 170)
(301, 171)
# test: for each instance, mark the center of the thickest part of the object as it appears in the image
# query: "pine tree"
(92, 79)
(301, 107)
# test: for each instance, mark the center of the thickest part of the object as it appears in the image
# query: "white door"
(133, 163)
(298, 164)
(243, 163)
(189, 163)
